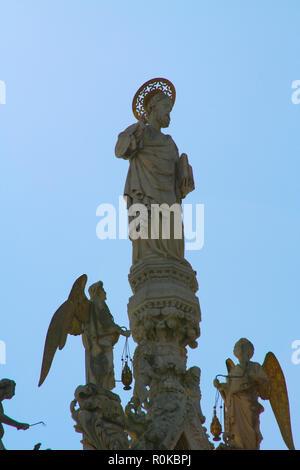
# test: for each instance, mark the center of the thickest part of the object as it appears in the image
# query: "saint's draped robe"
(153, 178)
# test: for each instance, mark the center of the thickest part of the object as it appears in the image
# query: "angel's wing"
(279, 398)
(66, 320)
(229, 364)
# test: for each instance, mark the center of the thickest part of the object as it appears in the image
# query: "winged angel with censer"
(245, 383)
(92, 319)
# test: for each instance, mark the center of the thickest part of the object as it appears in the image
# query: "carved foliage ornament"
(149, 89)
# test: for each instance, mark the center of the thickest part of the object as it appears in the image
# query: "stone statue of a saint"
(164, 312)
(7, 391)
(246, 383)
(157, 175)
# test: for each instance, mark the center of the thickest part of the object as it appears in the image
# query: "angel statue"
(7, 391)
(245, 383)
(93, 320)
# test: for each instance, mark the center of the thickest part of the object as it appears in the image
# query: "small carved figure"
(93, 320)
(7, 391)
(192, 385)
(246, 382)
(100, 418)
(136, 420)
(143, 373)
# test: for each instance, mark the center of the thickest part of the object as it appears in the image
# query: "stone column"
(164, 315)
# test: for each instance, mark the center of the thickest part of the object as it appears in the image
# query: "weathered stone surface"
(164, 315)
(100, 418)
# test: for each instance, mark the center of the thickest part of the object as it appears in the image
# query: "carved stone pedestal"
(100, 418)
(164, 315)
(164, 305)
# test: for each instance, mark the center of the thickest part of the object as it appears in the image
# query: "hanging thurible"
(126, 377)
(126, 370)
(215, 427)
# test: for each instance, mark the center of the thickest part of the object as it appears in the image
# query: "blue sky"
(71, 69)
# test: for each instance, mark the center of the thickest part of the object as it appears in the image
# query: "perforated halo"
(146, 91)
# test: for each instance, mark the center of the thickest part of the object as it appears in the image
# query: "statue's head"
(159, 107)
(7, 389)
(97, 290)
(243, 349)
(154, 101)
